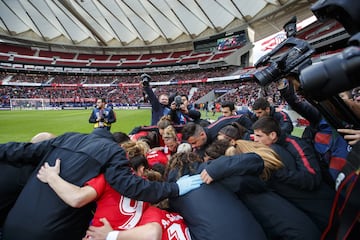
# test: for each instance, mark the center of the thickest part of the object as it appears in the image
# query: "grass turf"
(21, 126)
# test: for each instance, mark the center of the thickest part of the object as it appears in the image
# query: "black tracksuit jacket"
(40, 214)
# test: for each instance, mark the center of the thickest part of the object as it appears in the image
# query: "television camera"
(319, 83)
(293, 53)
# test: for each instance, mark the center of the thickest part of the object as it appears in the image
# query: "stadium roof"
(141, 23)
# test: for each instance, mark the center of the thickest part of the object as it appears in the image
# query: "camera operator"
(181, 112)
(159, 106)
(320, 85)
(102, 116)
(329, 144)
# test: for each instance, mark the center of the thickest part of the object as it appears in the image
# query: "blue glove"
(187, 183)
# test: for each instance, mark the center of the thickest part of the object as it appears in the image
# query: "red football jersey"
(121, 212)
(173, 225)
(157, 156)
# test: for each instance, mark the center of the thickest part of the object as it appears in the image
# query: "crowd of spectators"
(131, 95)
(112, 79)
(69, 89)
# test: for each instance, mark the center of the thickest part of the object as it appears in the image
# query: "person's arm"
(151, 230)
(302, 107)
(24, 153)
(155, 104)
(93, 118)
(71, 194)
(285, 122)
(244, 121)
(241, 164)
(307, 174)
(239, 173)
(111, 118)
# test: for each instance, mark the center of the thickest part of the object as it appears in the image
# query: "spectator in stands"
(13, 178)
(84, 156)
(261, 108)
(159, 106)
(102, 116)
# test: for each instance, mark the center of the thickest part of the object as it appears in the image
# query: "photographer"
(159, 106)
(320, 84)
(328, 143)
(181, 112)
(102, 116)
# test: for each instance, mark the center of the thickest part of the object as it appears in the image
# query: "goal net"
(29, 103)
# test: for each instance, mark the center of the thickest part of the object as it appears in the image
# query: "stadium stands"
(35, 72)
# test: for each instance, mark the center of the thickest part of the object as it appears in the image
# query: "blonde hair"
(135, 148)
(170, 132)
(271, 159)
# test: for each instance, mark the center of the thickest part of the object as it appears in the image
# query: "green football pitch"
(21, 126)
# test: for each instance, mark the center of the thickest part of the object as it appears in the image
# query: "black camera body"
(320, 83)
(298, 55)
(145, 79)
(333, 75)
(178, 102)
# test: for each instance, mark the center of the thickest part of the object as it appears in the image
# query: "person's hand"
(187, 183)
(350, 135)
(282, 84)
(173, 106)
(47, 171)
(145, 80)
(206, 177)
(99, 233)
(184, 109)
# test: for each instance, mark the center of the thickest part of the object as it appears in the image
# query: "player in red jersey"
(157, 223)
(172, 224)
(122, 212)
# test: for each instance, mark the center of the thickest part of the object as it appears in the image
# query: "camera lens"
(267, 75)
